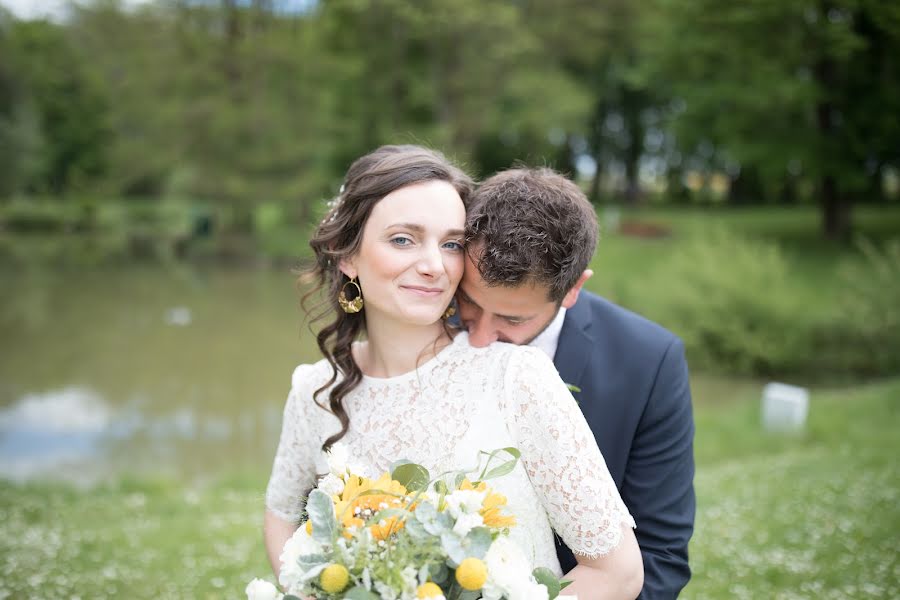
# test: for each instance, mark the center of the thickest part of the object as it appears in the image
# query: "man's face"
(507, 314)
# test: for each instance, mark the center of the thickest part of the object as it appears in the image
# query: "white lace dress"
(464, 400)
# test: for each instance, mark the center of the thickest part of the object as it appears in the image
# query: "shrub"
(731, 300)
(862, 335)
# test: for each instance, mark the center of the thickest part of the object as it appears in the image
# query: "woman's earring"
(451, 310)
(351, 306)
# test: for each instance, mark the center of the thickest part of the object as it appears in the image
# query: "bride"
(389, 256)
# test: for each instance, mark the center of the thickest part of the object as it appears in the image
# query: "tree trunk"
(835, 210)
(633, 109)
(836, 215)
(746, 187)
(594, 191)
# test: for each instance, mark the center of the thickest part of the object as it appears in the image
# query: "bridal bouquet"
(404, 536)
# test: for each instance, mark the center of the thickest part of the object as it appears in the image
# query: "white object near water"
(784, 407)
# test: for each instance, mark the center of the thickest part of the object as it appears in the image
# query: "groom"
(530, 236)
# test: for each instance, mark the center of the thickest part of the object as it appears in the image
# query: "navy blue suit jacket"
(636, 398)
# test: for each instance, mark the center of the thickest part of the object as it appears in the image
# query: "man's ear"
(571, 296)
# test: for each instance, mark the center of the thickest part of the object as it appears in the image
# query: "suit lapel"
(575, 342)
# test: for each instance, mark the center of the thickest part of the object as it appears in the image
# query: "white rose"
(300, 544)
(465, 523)
(527, 589)
(337, 457)
(259, 589)
(331, 484)
(507, 568)
(464, 502)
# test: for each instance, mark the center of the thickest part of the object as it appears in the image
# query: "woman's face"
(410, 259)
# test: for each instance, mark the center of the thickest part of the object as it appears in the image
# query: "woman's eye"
(453, 245)
(401, 241)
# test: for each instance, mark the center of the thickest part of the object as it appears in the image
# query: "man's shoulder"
(618, 325)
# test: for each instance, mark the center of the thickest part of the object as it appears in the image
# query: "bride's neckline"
(424, 367)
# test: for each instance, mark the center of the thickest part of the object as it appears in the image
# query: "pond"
(177, 371)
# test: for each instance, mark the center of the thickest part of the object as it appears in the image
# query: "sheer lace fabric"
(441, 415)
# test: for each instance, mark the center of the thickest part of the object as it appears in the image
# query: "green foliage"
(412, 476)
(745, 303)
(863, 333)
(731, 300)
(61, 96)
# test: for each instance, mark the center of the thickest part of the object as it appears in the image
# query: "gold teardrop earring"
(351, 306)
(451, 310)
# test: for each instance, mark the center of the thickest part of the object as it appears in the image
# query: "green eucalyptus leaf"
(416, 530)
(414, 477)
(548, 578)
(290, 597)
(360, 593)
(505, 467)
(477, 542)
(453, 546)
(321, 512)
(441, 488)
(572, 388)
(313, 572)
(308, 561)
(397, 463)
(434, 522)
(564, 583)
(439, 573)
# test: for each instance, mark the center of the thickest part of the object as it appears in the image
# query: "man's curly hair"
(531, 226)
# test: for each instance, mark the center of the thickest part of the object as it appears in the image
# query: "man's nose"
(481, 333)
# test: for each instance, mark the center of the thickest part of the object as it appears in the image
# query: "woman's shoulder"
(503, 354)
(311, 376)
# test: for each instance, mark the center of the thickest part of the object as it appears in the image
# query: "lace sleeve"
(561, 457)
(293, 472)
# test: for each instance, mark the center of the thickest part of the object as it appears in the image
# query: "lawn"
(814, 515)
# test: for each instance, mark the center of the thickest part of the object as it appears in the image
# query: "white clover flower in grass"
(259, 589)
(466, 522)
(463, 502)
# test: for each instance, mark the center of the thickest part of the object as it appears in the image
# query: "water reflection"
(73, 434)
(145, 370)
(43, 433)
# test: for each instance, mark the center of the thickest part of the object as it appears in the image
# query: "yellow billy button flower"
(334, 578)
(429, 590)
(471, 574)
(309, 527)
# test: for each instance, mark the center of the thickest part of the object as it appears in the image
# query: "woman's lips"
(422, 290)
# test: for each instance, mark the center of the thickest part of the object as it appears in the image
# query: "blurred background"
(162, 164)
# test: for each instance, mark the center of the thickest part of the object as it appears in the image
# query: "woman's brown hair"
(369, 179)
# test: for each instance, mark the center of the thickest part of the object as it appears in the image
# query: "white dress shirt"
(548, 339)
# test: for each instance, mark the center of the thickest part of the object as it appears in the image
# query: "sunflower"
(491, 506)
(362, 498)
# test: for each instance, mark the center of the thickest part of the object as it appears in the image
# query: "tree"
(54, 98)
(785, 89)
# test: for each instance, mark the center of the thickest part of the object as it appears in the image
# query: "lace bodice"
(440, 415)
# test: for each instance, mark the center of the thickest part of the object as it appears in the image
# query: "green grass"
(813, 515)
(816, 515)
